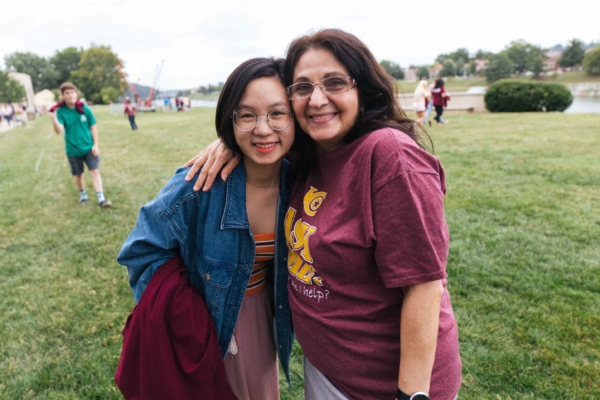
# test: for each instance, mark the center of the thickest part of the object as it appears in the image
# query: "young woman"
(366, 233)
(440, 100)
(421, 97)
(231, 239)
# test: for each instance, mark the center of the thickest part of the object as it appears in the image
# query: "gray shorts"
(77, 163)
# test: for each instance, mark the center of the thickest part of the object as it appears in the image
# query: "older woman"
(366, 233)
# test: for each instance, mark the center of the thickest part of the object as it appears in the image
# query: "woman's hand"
(210, 161)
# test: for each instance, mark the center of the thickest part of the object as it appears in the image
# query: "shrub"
(591, 62)
(520, 96)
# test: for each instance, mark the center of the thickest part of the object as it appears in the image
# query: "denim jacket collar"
(235, 215)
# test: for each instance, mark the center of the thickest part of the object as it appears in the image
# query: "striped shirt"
(265, 252)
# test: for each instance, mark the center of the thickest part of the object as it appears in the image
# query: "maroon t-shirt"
(369, 220)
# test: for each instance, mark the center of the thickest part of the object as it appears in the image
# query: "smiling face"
(263, 145)
(326, 119)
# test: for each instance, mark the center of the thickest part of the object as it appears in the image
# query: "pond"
(582, 105)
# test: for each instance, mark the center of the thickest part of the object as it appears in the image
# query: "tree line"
(517, 58)
(94, 71)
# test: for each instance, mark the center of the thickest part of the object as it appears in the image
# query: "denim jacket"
(211, 233)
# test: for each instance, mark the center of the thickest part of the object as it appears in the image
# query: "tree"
(449, 68)
(573, 54)
(393, 69)
(483, 55)
(525, 57)
(42, 74)
(441, 58)
(64, 62)
(96, 70)
(460, 67)
(11, 91)
(460, 54)
(500, 67)
(472, 67)
(109, 94)
(591, 61)
(423, 72)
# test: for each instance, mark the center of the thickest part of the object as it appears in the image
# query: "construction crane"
(131, 87)
(157, 72)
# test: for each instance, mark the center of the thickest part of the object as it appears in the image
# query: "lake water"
(580, 105)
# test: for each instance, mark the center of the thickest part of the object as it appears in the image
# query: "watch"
(400, 395)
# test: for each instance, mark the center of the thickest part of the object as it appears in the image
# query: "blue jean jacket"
(211, 233)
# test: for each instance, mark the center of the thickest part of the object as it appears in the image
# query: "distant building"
(480, 66)
(552, 59)
(44, 99)
(434, 71)
(25, 80)
(410, 75)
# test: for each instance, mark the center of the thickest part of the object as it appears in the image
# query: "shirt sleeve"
(60, 117)
(90, 116)
(151, 243)
(410, 229)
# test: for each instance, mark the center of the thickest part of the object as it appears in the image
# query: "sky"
(201, 41)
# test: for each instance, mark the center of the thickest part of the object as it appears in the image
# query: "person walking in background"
(429, 105)
(7, 113)
(440, 100)
(421, 97)
(131, 111)
(76, 121)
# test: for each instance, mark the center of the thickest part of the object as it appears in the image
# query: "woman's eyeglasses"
(329, 86)
(246, 120)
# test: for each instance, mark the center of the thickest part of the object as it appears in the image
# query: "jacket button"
(280, 307)
(207, 276)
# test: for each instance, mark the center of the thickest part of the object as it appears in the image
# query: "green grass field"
(463, 84)
(524, 267)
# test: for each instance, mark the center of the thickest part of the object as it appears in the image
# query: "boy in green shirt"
(76, 121)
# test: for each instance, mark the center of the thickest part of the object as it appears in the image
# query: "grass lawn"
(524, 267)
(463, 84)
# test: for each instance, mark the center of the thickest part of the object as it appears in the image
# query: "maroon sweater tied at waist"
(170, 343)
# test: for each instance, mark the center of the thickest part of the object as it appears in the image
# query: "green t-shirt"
(78, 135)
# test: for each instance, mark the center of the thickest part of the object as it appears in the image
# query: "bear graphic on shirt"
(300, 261)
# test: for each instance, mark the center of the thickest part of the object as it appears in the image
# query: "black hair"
(376, 93)
(439, 83)
(234, 89)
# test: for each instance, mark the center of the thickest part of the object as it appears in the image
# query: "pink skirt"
(252, 372)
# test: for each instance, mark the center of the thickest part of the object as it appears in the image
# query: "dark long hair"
(376, 92)
(234, 89)
(439, 83)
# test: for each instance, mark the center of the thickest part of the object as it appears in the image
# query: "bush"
(520, 96)
(591, 61)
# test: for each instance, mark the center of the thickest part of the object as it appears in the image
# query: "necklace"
(262, 187)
